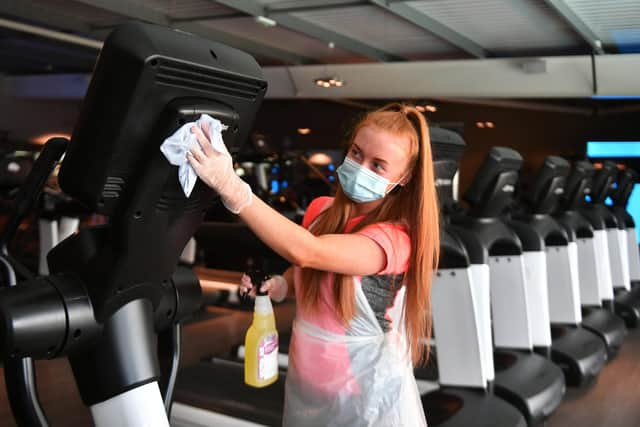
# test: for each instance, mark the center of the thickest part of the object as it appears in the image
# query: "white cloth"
(176, 147)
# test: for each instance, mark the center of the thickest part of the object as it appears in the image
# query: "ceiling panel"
(287, 4)
(616, 22)
(188, 8)
(374, 26)
(285, 39)
(503, 26)
(94, 16)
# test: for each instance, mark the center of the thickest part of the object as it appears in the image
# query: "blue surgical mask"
(361, 184)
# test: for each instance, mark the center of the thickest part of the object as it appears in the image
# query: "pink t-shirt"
(328, 366)
(392, 238)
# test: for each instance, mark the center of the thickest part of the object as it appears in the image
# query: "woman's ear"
(404, 180)
(401, 183)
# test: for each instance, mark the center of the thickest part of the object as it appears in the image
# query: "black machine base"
(455, 407)
(446, 407)
(580, 354)
(530, 382)
(218, 386)
(627, 305)
(609, 327)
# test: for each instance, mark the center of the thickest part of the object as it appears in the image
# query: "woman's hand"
(215, 168)
(276, 287)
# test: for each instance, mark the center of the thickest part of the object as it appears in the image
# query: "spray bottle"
(261, 341)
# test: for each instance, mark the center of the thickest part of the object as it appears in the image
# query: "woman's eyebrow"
(377, 159)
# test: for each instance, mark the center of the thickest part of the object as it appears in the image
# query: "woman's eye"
(378, 167)
(355, 152)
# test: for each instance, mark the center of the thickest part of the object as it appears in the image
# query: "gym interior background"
(543, 77)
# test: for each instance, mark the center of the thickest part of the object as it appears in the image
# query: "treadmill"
(460, 309)
(613, 243)
(463, 348)
(620, 197)
(579, 353)
(525, 379)
(569, 309)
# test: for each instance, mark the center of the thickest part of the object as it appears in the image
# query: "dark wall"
(329, 122)
(534, 133)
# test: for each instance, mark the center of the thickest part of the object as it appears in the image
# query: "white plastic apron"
(362, 378)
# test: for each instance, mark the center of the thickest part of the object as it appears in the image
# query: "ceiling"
(328, 31)
(436, 49)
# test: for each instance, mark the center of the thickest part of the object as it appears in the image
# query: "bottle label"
(268, 357)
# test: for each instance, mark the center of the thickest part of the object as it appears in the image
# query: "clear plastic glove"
(276, 286)
(215, 167)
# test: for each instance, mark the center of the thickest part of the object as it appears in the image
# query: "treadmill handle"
(29, 192)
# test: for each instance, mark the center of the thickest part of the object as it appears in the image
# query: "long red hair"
(415, 205)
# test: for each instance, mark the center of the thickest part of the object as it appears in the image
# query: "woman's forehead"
(381, 143)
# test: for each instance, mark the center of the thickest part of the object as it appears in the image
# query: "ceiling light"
(490, 125)
(480, 125)
(431, 108)
(420, 108)
(320, 159)
(329, 82)
(264, 21)
(304, 131)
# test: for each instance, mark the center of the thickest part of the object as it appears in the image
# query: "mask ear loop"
(399, 186)
(395, 190)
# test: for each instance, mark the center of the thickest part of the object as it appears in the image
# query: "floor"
(614, 401)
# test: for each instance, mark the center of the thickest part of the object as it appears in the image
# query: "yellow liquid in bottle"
(261, 349)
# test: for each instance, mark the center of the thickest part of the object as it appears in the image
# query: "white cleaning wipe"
(176, 147)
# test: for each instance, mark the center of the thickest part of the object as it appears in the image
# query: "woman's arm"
(351, 254)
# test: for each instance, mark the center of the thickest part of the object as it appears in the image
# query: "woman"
(362, 267)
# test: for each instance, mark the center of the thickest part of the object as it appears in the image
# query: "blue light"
(284, 184)
(608, 201)
(331, 167)
(614, 97)
(633, 207)
(614, 185)
(627, 40)
(275, 186)
(587, 198)
(331, 178)
(615, 149)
